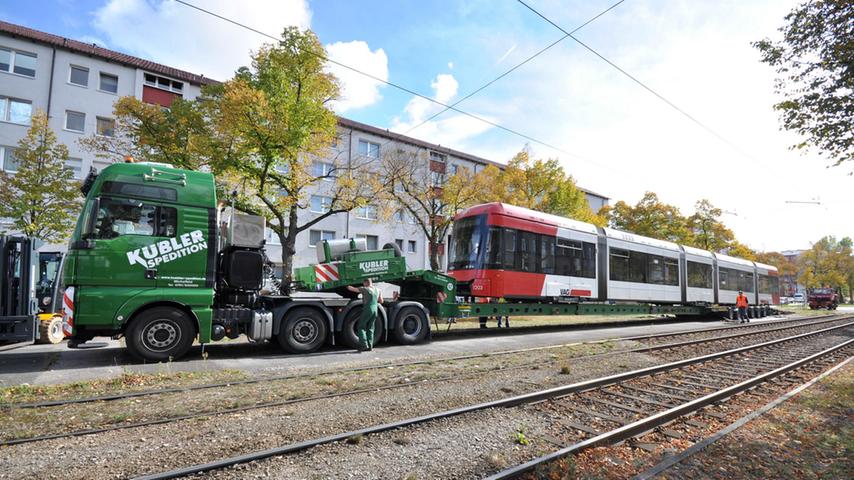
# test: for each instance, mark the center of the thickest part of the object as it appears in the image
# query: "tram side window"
(723, 279)
(656, 269)
(527, 253)
(637, 267)
(509, 249)
(671, 271)
(494, 251)
(699, 275)
(547, 254)
(619, 265)
(575, 259)
(746, 282)
(764, 284)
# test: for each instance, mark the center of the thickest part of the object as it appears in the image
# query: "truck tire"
(303, 331)
(412, 326)
(348, 333)
(50, 331)
(160, 334)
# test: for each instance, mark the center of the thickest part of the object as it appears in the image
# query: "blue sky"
(613, 136)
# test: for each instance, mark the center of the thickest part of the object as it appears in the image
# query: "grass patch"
(127, 382)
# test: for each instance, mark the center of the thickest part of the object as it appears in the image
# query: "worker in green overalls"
(371, 297)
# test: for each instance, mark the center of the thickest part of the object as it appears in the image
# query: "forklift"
(29, 290)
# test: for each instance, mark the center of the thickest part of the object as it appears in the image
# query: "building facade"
(76, 84)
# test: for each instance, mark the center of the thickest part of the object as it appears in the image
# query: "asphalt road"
(51, 364)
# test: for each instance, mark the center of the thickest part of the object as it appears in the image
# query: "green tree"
(419, 189)
(785, 267)
(179, 135)
(276, 112)
(650, 217)
(41, 196)
(537, 184)
(828, 263)
(261, 134)
(707, 231)
(815, 75)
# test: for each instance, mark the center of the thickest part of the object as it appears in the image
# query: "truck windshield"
(468, 241)
(117, 217)
(822, 291)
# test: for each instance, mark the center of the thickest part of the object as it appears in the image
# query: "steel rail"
(502, 403)
(292, 401)
(649, 423)
(161, 391)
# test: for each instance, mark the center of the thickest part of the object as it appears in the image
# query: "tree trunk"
(434, 256)
(289, 250)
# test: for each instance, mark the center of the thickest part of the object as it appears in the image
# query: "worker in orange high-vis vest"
(741, 303)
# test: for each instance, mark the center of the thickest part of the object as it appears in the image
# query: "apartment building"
(77, 84)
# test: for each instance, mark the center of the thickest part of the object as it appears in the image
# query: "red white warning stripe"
(326, 272)
(68, 311)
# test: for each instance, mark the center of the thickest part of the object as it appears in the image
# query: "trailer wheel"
(160, 334)
(303, 332)
(412, 326)
(50, 331)
(348, 334)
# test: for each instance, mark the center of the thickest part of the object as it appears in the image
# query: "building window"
(271, 238)
(106, 127)
(399, 215)
(399, 243)
(368, 212)
(75, 166)
(164, 83)
(437, 179)
(21, 63)
(369, 149)
(108, 83)
(15, 110)
(411, 247)
(438, 157)
(9, 162)
(78, 76)
(75, 121)
(323, 170)
(315, 236)
(372, 241)
(320, 203)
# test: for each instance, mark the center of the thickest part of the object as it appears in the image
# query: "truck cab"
(144, 246)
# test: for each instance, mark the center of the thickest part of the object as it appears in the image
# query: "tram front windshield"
(468, 241)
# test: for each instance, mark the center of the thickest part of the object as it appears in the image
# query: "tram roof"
(498, 208)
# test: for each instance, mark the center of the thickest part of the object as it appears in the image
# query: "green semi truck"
(155, 260)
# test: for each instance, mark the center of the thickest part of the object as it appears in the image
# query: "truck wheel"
(50, 331)
(412, 325)
(348, 334)
(160, 334)
(304, 331)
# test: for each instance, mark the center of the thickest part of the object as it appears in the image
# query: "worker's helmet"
(740, 291)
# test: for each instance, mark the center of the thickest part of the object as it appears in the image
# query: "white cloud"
(176, 35)
(450, 130)
(357, 90)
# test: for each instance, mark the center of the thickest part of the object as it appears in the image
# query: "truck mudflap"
(68, 312)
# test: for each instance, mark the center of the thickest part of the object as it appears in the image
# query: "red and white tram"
(503, 251)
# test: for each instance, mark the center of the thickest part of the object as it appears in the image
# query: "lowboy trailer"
(154, 260)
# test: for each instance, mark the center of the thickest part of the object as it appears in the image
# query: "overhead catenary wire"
(639, 82)
(380, 80)
(515, 67)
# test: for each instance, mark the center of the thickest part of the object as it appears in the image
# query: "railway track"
(706, 333)
(697, 340)
(610, 409)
